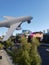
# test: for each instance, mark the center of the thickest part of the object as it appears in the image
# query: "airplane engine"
(18, 28)
(29, 21)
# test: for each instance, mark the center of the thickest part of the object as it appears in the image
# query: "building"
(47, 30)
(37, 34)
(26, 33)
(46, 38)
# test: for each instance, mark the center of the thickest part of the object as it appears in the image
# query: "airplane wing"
(8, 17)
(10, 31)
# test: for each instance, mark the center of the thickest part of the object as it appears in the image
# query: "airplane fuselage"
(9, 22)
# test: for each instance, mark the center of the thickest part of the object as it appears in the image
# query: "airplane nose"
(31, 17)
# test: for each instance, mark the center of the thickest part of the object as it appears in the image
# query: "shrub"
(27, 53)
(1, 46)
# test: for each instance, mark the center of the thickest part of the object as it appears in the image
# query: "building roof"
(37, 32)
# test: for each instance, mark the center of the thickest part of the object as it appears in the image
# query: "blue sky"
(38, 9)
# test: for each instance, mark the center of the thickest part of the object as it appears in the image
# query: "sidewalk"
(5, 58)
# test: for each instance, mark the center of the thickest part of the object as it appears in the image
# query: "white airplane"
(13, 23)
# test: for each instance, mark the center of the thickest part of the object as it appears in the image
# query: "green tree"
(21, 54)
(34, 55)
(8, 43)
(1, 46)
(17, 38)
(27, 53)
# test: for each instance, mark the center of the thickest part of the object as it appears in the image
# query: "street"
(44, 53)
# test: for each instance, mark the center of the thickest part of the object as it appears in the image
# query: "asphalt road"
(44, 53)
(5, 58)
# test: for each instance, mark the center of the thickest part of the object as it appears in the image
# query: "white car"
(47, 50)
